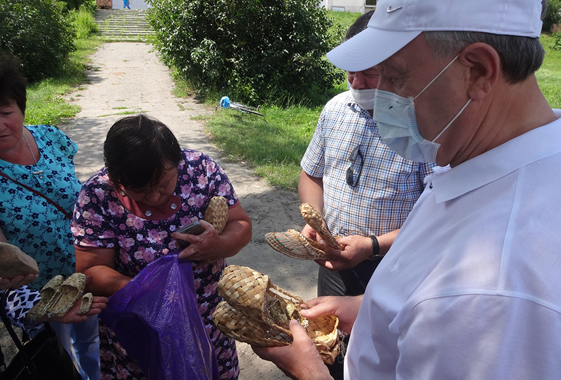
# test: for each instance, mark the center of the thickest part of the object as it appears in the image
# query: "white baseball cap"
(395, 23)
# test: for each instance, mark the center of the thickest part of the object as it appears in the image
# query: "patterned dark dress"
(101, 221)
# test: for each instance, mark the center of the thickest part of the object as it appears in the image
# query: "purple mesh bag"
(155, 318)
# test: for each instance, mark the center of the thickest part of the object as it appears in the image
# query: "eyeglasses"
(350, 173)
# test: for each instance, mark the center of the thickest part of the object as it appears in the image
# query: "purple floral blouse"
(101, 221)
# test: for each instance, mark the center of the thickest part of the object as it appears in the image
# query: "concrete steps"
(123, 25)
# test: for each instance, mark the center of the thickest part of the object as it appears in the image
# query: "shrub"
(89, 5)
(38, 33)
(557, 41)
(254, 51)
(83, 22)
(552, 16)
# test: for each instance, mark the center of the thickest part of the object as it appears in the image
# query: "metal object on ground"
(225, 102)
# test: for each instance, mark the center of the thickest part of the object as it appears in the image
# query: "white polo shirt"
(471, 288)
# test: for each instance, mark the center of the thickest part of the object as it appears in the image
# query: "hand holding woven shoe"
(300, 360)
(215, 214)
(293, 244)
(63, 300)
(314, 219)
(258, 312)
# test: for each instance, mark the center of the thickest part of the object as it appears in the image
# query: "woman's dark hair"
(137, 152)
(12, 82)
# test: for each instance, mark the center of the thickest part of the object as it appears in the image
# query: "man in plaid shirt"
(364, 188)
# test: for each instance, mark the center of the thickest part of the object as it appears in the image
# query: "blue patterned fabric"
(18, 304)
(28, 220)
(388, 186)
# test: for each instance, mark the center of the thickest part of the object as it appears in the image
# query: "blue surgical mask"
(364, 97)
(397, 123)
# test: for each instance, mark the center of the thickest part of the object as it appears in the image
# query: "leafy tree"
(251, 50)
(38, 33)
(89, 5)
(552, 16)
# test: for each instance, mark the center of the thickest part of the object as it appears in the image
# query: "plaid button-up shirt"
(388, 186)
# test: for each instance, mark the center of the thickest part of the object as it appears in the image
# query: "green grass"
(273, 146)
(346, 19)
(549, 75)
(45, 102)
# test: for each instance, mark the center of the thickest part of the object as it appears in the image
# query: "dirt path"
(129, 77)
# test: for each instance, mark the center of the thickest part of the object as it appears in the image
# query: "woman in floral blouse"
(126, 215)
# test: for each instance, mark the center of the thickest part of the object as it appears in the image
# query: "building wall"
(134, 4)
(352, 6)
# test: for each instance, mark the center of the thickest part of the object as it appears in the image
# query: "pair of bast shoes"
(59, 295)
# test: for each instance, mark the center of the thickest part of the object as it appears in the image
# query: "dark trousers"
(347, 282)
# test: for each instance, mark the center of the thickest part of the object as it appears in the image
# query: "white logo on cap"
(391, 10)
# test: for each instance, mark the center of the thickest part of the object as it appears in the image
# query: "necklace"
(30, 151)
(38, 172)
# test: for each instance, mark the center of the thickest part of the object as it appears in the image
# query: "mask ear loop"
(436, 77)
(450, 123)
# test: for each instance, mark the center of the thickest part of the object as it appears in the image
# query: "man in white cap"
(470, 289)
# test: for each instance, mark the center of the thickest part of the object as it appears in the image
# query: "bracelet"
(375, 248)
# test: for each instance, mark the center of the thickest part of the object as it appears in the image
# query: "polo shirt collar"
(498, 162)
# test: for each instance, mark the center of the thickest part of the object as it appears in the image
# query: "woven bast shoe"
(293, 244)
(86, 304)
(70, 290)
(258, 312)
(216, 213)
(244, 289)
(239, 326)
(314, 219)
(50, 293)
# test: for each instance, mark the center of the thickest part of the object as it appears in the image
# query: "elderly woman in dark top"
(127, 213)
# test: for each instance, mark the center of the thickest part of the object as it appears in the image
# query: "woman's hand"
(209, 246)
(204, 246)
(300, 360)
(17, 282)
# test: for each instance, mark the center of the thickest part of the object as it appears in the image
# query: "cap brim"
(369, 48)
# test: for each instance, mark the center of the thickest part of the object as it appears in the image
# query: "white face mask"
(397, 123)
(364, 98)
